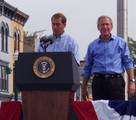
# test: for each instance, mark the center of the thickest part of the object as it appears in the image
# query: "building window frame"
(17, 40)
(4, 37)
(4, 77)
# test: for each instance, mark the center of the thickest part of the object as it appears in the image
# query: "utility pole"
(122, 29)
(122, 18)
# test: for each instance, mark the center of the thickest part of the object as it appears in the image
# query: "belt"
(107, 75)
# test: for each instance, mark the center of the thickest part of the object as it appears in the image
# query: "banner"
(105, 110)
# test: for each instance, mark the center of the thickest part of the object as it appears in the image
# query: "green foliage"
(8, 70)
(132, 47)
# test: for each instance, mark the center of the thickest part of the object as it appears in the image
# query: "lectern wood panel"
(46, 105)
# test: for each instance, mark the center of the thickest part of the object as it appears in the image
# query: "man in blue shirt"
(106, 60)
(60, 40)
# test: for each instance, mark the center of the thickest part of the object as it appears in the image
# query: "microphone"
(48, 42)
(45, 42)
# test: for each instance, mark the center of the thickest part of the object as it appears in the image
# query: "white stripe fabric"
(105, 112)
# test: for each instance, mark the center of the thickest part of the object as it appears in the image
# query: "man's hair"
(104, 16)
(59, 15)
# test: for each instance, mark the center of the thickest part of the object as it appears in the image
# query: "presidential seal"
(44, 67)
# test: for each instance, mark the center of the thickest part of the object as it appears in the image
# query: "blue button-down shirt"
(63, 43)
(111, 56)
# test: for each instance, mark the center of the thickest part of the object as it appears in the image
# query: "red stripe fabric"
(10, 110)
(84, 110)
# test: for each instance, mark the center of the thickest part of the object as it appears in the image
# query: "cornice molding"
(13, 13)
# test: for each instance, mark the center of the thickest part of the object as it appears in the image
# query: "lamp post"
(15, 56)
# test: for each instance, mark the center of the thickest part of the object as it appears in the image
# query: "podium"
(47, 82)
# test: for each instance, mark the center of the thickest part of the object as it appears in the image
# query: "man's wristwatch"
(132, 80)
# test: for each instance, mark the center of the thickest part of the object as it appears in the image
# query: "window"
(0, 10)
(4, 37)
(3, 78)
(16, 41)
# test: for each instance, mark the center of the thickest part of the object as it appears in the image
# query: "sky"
(81, 17)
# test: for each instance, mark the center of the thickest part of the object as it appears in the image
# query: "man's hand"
(131, 88)
(85, 94)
